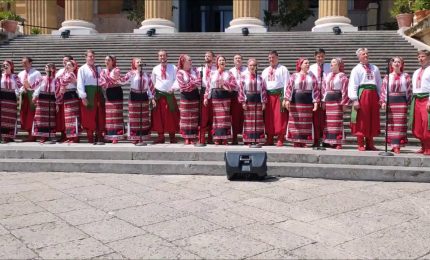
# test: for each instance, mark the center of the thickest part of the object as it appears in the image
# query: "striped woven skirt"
(397, 120)
(71, 113)
(189, 114)
(8, 113)
(253, 126)
(221, 128)
(300, 129)
(333, 132)
(44, 118)
(114, 114)
(139, 125)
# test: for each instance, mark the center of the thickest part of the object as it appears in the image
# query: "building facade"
(110, 16)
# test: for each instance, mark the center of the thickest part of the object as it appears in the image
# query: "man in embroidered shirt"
(363, 89)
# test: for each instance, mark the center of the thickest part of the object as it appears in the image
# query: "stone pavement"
(112, 216)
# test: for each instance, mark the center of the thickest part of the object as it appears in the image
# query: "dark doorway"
(205, 15)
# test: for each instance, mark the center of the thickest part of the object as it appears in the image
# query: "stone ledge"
(420, 31)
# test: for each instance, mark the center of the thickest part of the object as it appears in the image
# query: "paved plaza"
(116, 216)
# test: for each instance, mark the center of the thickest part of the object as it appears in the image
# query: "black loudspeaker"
(246, 165)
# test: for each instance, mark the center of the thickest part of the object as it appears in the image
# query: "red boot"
(396, 150)
(280, 141)
(360, 142)
(90, 136)
(172, 138)
(160, 139)
(269, 140)
(370, 145)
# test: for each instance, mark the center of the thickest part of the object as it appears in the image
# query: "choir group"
(216, 103)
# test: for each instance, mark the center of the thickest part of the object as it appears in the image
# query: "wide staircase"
(290, 45)
(181, 159)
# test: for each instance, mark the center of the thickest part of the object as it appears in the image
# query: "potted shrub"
(9, 21)
(403, 12)
(422, 9)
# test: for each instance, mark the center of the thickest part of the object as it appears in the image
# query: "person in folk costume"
(165, 116)
(334, 102)
(188, 79)
(66, 93)
(400, 94)
(320, 69)
(29, 78)
(10, 86)
(236, 107)
(276, 77)
(141, 95)
(221, 83)
(363, 90)
(420, 105)
(60, 125)
(253, 97)
(301, 99)
(93, 103)
(206, 115)
(110, 81)
(44, 100)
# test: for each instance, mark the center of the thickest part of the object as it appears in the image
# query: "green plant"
(401, 7)
(137, 12)
(9, 15)
(421, 5)
(35, 31)
(290, 14)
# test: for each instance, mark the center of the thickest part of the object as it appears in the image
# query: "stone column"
(78, 17)
(40, 13)
(333, 13)
(372, 16)
(246, 13)
(158, 15)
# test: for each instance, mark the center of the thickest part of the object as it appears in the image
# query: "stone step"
(179, 152)
(301, 170)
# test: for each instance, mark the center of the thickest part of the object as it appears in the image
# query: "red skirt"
(189, 114)
(333, 132)
(71, 113)
(397, 120)
(139, 125)
(162, 119)
(89, 115)
(253, 127)
(275, 120)
(221, 128)
(420, 125)
(236, 114)
(114, 114)
(27, 112)
(44, 119)
(8, 114)
(367, 123)
(300, 129)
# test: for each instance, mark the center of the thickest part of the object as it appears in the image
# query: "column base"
(253, 24)
(162, 26)
(76, 27)
(326, 24)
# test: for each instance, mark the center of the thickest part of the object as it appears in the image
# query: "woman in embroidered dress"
(110, 79)
(335, 98)
(10, 85)
(44, 99)
(188, 80)
(221, 82)
(400, 94)
(253, 97)
(301, 98)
